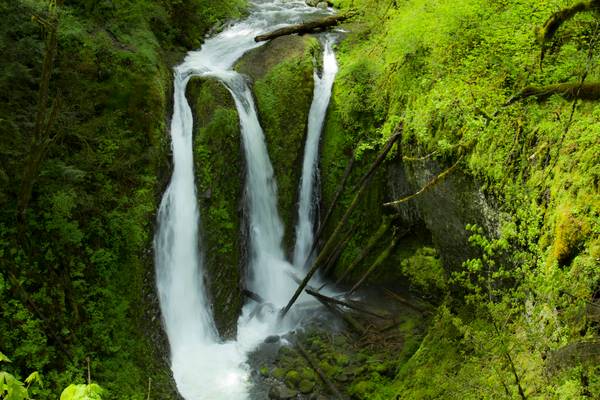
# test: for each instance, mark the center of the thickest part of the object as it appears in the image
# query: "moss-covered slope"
(527, 177)
(219, 166)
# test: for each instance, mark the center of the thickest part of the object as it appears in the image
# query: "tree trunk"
(307, 27)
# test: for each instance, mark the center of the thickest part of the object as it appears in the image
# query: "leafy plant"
(13, 389)
(82, 392)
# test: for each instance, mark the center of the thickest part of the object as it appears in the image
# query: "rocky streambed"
(331, 358)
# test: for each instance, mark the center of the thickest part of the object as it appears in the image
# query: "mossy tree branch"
(570, 91)
(546, 33)
(373, 241)
(427, 187)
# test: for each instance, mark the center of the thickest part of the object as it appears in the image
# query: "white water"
(205, 368)
(307, 206)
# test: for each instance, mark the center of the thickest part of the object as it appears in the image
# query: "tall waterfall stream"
(204, 366)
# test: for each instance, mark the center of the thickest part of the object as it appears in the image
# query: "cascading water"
(203, 366)
(269, 272)
(308, 199)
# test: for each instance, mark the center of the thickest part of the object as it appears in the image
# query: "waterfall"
(307, 204)
(204, 367)
(269, 271)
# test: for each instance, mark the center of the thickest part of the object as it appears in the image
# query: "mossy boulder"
(292, 379)
(305, 386)
(219, 179)
(282, 72)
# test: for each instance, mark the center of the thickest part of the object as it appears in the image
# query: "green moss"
(219, 174)
(339, 142)
(292, 379)
(569, 234)
(306, 386)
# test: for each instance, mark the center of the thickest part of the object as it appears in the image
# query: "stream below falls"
(204, 366)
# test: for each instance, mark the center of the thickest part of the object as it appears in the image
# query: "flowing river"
(204, 366)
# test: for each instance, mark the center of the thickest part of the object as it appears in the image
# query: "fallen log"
(253, 296)
(358, 328)
(546, 33)
(383, 228)
(337, 252)
(324, 254)
(322, 297)
(378, 261)
(407, 303)
(329, 212)
(306, 27)
(569, 91)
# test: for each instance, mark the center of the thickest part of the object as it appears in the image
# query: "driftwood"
(324, 254)
(315, 366)
(306, 27)
(322, 297)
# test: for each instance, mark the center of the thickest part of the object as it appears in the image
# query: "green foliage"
(12, 388)
(76, 272)
(448, 70)
(425, 269)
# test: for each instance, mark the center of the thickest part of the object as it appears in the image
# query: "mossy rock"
(219, 175)
(278, 373)
(292, 379)
(282, 72)
(308, 374)
(569, 234)
(306, 386)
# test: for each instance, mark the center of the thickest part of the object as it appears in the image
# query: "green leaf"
(34, 377)
(13, 387)
(82, 392)
(4, 358)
